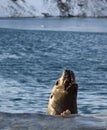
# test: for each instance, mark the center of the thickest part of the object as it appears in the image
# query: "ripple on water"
(31, 61)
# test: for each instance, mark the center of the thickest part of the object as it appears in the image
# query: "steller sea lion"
(63, 97)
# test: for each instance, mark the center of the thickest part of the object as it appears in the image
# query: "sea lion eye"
(51, 96)
(57, 82)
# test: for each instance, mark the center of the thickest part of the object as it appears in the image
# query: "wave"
(33, 121)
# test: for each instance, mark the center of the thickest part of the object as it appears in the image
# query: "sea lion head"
(64, 94)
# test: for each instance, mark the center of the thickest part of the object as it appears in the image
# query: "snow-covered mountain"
(34, 8)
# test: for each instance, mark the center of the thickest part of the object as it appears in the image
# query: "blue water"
(32, 60)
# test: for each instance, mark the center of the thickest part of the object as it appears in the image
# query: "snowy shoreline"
(53, 8)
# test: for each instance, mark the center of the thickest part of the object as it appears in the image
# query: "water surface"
(32, 60)
(56, 24)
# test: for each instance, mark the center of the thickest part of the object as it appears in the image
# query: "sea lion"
(64, 95)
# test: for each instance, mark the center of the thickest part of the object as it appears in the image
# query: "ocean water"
(31, 60)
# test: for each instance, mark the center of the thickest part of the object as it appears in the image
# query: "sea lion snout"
(67, 79)
(68, 75)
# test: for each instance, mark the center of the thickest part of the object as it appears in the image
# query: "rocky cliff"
(69, 8)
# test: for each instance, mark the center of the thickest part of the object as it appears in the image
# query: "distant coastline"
(56, 24)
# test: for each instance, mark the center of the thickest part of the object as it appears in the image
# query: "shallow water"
(32, 60)
(34, 121)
